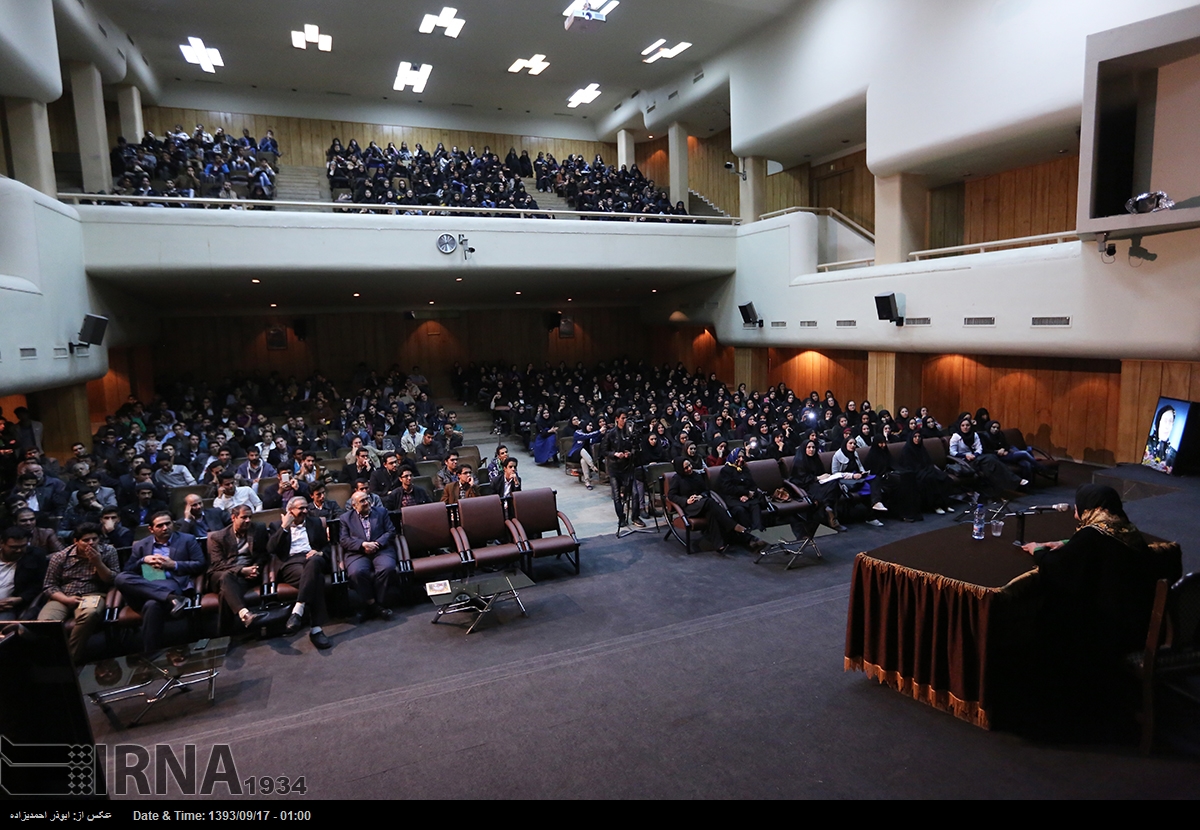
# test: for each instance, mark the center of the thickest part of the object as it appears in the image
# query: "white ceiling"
(372, 37)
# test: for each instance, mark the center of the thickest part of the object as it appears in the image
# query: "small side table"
(153, 677)
(477, 594)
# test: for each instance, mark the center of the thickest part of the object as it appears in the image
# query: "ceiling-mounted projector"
(584, 18)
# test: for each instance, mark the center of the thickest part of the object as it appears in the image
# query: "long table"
(931, 615)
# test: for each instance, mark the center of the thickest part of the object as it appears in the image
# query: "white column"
(752, 193)
(625, 150)
(900, 216)
(29, 135)
(129, 101)
(91, 127)
(677, 162)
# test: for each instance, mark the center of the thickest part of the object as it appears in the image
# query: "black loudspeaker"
(300, 328)
(91, 333)
(566, 328)
(890, 308)
(551, 320)
(749, 315)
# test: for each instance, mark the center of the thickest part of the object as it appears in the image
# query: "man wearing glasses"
(410, 494)
(301, 543)
(158, 575)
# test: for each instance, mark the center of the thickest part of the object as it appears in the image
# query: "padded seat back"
(339, 492)
(427, 529)
(766, 475)
(537, 510)
(937, 451)
(428, 468)
(481, 519)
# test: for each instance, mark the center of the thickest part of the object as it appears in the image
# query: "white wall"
(971, 82)
(44, 293)
(28, 53)
(1117, 309)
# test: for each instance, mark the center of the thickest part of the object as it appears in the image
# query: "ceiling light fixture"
(664, 53)
(357, 294)
(407, 76)
(649, 48)
(535, 64)
(584, 96)
(447, 20)
(256, 281)
(194, 51)
(312, 34)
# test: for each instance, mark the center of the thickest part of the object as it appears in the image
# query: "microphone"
(1061, 507)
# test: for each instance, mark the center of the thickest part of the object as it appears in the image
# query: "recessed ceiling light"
(194, 51)
(273, 305)
(407, 76)
(584, 96)
(356, 294)
(312, 34)
(568, 299)
(431, 302)
(600, 8)
(649, 136)
(535, 64)
(447, 20)
(518, 292)
(458, 279)
(664, 53)
(256, 281)
(653, 290)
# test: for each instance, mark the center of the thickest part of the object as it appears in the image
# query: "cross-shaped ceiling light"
(584, 96)
(406, 75)
(661, 52)
(312, 34)
(535, 65)
(194, 51)
(447, 20)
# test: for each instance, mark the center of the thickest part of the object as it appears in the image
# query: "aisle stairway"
(303, 184)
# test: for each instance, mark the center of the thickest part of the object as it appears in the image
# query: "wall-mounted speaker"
(890, 308)
(91, 333)
(300, 328)
(750, 316)
(551, 320)
(566, 328)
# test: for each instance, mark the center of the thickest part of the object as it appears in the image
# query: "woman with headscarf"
(689, 491)
(966, 446)
(717, 457)
(807, 468)
(1160, 454)
(544, 439)
(1098, 590)
(736, 487)
(898, 489)
(994, 443)
(855, 483)
(932, 484)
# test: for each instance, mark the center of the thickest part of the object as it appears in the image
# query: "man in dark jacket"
(237, 556)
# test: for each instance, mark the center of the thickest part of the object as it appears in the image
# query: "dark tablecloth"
(930, 615)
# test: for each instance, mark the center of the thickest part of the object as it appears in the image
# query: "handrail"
(983, 247)
(399, 210)
(846, 263)
(824, 211)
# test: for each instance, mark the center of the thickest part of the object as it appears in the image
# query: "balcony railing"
(825, 211)
(983, 247)
(398, 210)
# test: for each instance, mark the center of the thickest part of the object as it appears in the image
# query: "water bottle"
(980, 520)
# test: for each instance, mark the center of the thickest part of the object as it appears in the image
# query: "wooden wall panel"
(946, 211)
(707, 174)
(1024, 202)
(651, 158)
(1069, 408)
(9, 404)
(845, 184)
(210, 348)
(305, 140)
(803, 370)
(694, 347)
(787, 188)
(1142, 383)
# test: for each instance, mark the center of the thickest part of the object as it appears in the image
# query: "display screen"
(1166, 432)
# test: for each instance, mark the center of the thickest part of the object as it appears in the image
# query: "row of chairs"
(434, 541)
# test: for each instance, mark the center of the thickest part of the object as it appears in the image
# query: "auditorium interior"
(968, 162)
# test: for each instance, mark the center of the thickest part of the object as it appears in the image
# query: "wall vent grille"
(673, 95)
(699, 76)
(916, 321)
(979, 321)
(779, 324)
(28, 353)
(82, 351)
(808, 324)
(1056, 322)
(61, 353)
(846, 324)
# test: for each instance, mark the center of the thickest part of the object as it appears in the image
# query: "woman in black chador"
(1159, 453)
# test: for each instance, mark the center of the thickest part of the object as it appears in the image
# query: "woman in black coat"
(933, 485)
(689, 491)
(806, 471)
(736, 487)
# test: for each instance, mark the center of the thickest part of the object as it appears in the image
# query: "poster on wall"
(277, 339)
(1166, 435)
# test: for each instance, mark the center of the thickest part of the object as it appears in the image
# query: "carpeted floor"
(653, 674)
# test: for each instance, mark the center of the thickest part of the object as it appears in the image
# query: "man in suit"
(22, 574)
(369, 539)
(237, 556)
(178, 557)
(385, 482)
(201, 521)
(302, 545)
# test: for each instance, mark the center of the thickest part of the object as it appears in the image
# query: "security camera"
(729, 165)
(470, 250)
